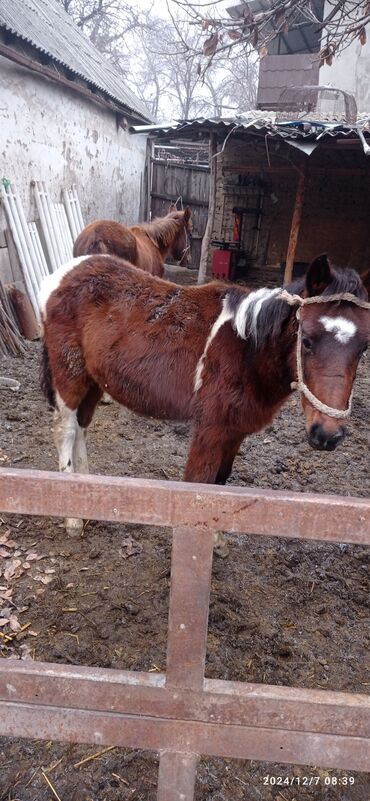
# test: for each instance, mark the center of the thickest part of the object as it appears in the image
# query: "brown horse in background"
(222, 356)
(146, 245)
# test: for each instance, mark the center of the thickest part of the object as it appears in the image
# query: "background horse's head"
(334, 335)
(180, 249)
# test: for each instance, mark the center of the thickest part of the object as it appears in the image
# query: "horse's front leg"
(230, 450)
(70, 442)
(211, 456)
(210, 461)
(205, 456)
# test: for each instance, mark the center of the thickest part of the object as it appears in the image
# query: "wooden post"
(191, 568)
(211, 209)
(296, 224)
(146, 185)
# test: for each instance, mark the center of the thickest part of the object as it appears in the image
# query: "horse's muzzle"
(323, 440)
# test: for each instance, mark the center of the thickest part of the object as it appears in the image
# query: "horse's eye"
(307, 343)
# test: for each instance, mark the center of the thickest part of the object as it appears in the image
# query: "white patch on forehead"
(342, 328)
(222, 318)
(51, 282)
(253, 302)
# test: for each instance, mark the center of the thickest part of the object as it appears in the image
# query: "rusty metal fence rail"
(181, 714)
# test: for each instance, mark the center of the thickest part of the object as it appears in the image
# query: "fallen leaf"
(4, 621)
(43, 579)
(26, 651)
(4, 552)
(11, 569)
(14, 623)
(6, 595)
(131, 547)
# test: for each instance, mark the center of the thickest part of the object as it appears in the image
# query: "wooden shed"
(282, 192)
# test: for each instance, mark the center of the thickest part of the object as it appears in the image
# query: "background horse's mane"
(164, 229)
(260, 315)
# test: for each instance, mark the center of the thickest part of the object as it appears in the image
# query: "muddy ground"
(282, 612)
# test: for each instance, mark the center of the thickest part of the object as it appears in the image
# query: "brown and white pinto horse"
(146, 245)
(221, 356)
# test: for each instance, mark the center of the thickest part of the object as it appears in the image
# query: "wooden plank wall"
(188, 183)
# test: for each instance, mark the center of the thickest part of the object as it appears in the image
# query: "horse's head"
(334, 335)
(180, 249)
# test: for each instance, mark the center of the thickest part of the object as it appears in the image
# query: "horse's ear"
(187, 214)
(365, 278)
(319, 275)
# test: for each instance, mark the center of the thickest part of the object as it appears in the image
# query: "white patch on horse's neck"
(225, 315)
(252, 302)
(342, 328)
(51, 282)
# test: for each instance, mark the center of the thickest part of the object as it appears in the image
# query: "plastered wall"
(52, 134)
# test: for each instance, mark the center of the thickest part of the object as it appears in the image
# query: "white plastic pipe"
(20, 244)
(71, 220)
(53, 226)
(34, 266)
(78, 209)
(32, 227)
(45, 229)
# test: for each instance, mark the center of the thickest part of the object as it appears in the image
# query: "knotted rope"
(296, 300)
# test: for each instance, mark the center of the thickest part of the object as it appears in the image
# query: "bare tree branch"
(346, 21)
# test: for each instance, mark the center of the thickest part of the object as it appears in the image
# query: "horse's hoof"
(74, 526)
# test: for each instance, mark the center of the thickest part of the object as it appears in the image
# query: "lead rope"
(300, 385)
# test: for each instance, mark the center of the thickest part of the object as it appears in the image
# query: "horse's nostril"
(324, 441)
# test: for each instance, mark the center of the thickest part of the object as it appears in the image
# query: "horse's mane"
(261, 314)
(163, 230)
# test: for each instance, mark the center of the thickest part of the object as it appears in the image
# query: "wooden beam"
(176, 777)
(231, 719)
(172, 503)
(185, 200)
(342, 172)
(295, 226)
(74, 85)
(191, 569)
(204, 254)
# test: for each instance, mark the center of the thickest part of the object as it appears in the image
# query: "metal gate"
(181, 714)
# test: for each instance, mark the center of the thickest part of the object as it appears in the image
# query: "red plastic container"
(222, 263)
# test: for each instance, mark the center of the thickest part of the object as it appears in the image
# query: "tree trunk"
(296, 223)
(211, 210)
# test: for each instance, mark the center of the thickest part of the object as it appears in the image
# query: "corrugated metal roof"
(257, 122)
(47, 26)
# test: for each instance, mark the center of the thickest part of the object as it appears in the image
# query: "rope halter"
(186, 249)
(296, 300)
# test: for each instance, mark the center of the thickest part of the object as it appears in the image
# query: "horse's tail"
(46, 380)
